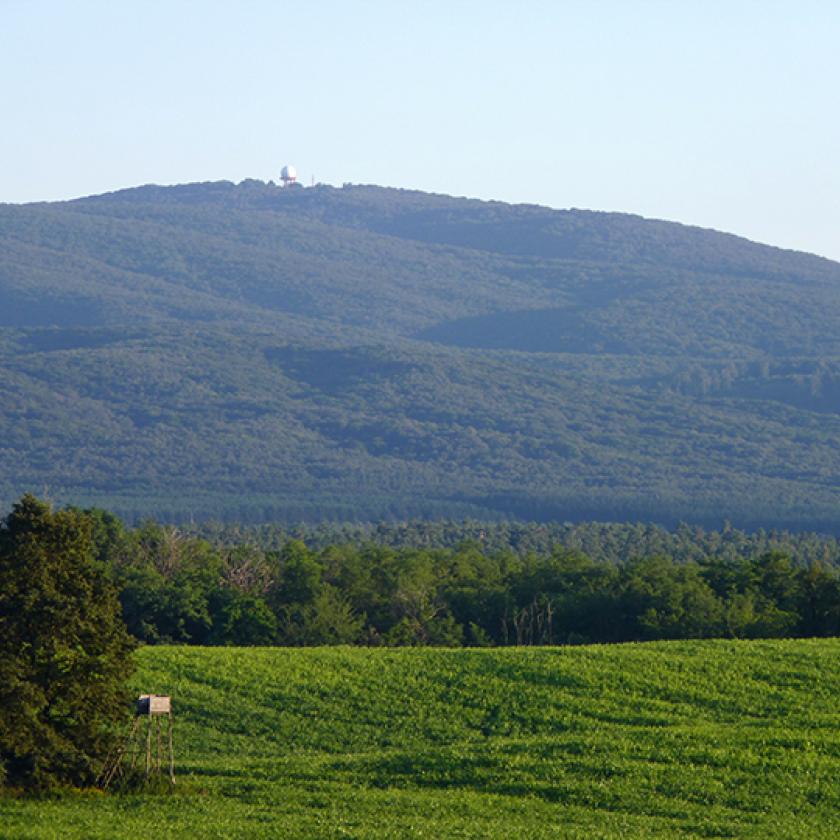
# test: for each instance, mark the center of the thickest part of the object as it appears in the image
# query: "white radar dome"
(288, 173)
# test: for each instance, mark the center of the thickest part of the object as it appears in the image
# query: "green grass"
(692, 739)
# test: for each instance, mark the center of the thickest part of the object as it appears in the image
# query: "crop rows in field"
(705, 739)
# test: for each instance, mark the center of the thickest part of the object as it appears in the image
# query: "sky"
(719, 114)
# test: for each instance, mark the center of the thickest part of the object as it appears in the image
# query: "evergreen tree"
(64, 650)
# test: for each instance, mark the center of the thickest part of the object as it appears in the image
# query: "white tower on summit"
(288, 175)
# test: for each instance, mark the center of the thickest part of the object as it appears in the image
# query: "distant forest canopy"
(446, 584)
(603, 542)
(250, 354)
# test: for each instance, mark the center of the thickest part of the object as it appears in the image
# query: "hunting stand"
(146, 745)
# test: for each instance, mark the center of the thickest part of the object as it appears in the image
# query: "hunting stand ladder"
(148, 744)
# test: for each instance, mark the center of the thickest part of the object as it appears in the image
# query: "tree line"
(182, 588)
(610, 542)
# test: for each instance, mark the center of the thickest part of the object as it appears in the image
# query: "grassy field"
(693, 739)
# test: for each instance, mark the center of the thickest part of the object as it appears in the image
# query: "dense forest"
(251, 354)
(231, 589)
(604, 542)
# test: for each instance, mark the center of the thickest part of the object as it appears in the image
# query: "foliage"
(656, 740)
(64, 651)
(176, 586)
(607, 542)
(352, 354)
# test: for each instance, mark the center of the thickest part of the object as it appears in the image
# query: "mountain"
(243, 351)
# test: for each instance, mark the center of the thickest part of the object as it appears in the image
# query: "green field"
(689, 739)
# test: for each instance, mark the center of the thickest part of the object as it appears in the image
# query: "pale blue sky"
(722, 114)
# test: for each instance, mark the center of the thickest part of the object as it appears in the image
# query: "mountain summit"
(246, 351)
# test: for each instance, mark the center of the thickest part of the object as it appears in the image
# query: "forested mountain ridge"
(248, 352)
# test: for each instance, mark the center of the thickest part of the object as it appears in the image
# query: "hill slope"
(695, 739)
(248, 352)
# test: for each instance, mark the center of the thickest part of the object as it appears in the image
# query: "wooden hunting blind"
(148, 742)
(154, 704)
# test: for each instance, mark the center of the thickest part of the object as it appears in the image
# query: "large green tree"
(64, 650)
